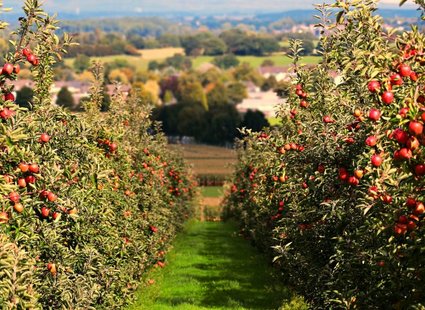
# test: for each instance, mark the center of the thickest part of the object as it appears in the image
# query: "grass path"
(211, 267)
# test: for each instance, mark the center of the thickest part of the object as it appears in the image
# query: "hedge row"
(336, 195)
(89, 202)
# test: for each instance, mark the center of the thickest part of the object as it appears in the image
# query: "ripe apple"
(14, 197)
(376, 160)
(26, 52)
(44, 138)
(401, 136)
(153, 228)
(411, 225)
(413, 76)
(396, 79)
(419, 209)
(327, 119)
(51, 197)
(22, 183)
(374, 114)
(387, 97)
(387, 199)
(411, 203)
(9, 97)
(353, 181)
(16, 69)
(358, 173)
(7, 69)
(371, 141)
(415, 128)
(113, 147)
(303, 104)
(343, 174)
(403, 112)
(45, 212)
(24, 167)
(420, 169)
(405, 153)
(413, 143)
(402, 219)
(373, 86)
(34, 168)
(18, 207)
(4, 217)
(404, 70)
(30, 179)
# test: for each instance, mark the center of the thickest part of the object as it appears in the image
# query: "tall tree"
(65, 99)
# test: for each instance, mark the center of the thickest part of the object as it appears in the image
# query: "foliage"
(254, 120)
(81, 63)
(89, 200)
(226, 61)
(65, 98)
(24, 97)
(337, 190)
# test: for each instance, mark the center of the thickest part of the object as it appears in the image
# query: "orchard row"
(337, 194)
(89, 202)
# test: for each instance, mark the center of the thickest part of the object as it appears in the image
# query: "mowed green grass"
(212, 191)
(212, 267)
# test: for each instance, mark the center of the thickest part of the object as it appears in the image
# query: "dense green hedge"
(336, 194)
(89, 201)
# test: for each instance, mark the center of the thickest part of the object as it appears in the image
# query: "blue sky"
(181, 5)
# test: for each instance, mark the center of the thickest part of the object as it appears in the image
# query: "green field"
(212, 191)
(212, 267)
(135, 61)
(141, 63)
(254, 61)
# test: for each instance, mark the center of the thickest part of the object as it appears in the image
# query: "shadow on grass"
(231, 273)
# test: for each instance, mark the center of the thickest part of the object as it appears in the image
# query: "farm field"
(141, 62)
(256, 61)
(211, 267)
(206, 159)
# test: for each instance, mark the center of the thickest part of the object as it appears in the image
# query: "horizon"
(89, 8)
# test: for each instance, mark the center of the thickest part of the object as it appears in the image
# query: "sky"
(212, 6)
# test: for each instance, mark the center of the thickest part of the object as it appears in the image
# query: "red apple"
(371, 141)
(387, 97)
(45, 212)
(7, 69)
(376, 160)
(22, 183)
(373, 86)
(415, 128)
(24, 167)
(44, 138)
(419, 209)
(405, 153)
(34, 168)
(374, 114)
(420, 169)
(411, 203)
(396, 79)
(413, 143)
(404, 70)
(401, 136)
(14, 197)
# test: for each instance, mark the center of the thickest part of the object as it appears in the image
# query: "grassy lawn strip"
(211, 267)
(212, 191)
